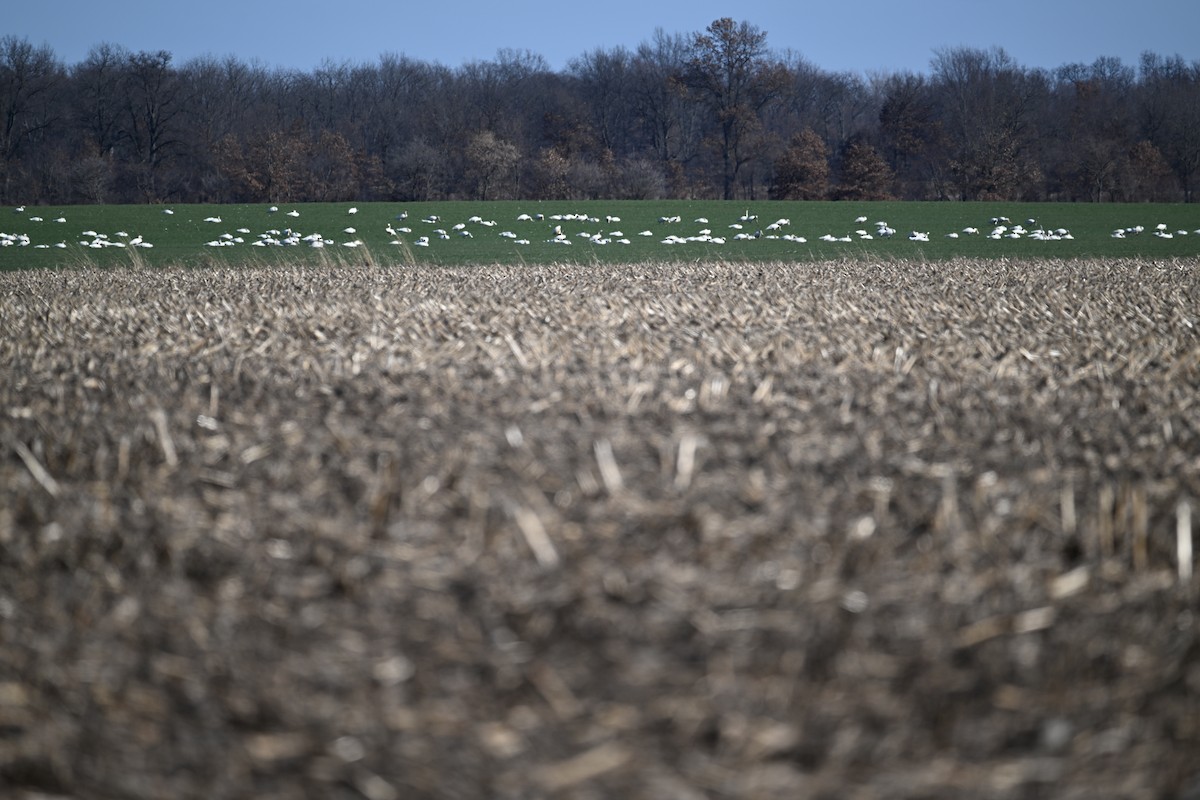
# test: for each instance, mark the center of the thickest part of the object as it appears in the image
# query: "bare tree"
(331, 170)
(1171, 115)
(604, 82)
(493, 94)
(491, 161)
(730, 71)
(29, 79)
(420, 171)
(97, 82)
(1086, 129)
(705, 114)
(670, 125)
(396, 93)
(324, 95)
(912, 135)
(986, 102)
(223, 98)
(640, 179)
(154, 108)
(549, 174)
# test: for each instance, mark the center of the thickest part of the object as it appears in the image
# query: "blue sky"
(861, 36)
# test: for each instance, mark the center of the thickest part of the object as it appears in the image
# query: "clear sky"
(861, 36)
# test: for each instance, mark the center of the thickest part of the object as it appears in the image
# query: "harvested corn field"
(832, 530)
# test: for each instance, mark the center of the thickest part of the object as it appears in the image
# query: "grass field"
(181, 237)
(877, 529)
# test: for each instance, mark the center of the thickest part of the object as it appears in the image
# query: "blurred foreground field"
(836, 529)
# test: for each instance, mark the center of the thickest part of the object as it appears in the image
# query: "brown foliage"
(331, 168)
(802, 171)
(1148, 176)
(549, 175)
(864, 175)
(993, 167)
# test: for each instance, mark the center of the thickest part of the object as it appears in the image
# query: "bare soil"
(837, 530)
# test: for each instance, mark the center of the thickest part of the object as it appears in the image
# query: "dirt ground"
(838, 530)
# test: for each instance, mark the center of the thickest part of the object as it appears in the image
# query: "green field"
(181, 237)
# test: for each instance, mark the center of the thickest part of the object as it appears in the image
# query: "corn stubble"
(721, 530)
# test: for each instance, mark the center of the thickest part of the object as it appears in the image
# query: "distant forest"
(710, 114)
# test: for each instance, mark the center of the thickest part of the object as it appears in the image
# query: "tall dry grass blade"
(1141, 529)
(556, 691)
(1104, 520)
(563, 775)
(763, 392)
(123, 459)
(609, 472)
(1183, 540)
(536, 537)
(1035, 619)
(947, 518)
(516, 350)
(39, 473)
(1067, 506)
(1070, 583)
(159, 418)
(685, 461)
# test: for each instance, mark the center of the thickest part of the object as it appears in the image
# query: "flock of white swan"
(557, 229)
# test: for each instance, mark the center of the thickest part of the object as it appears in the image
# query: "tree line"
(710, 114)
